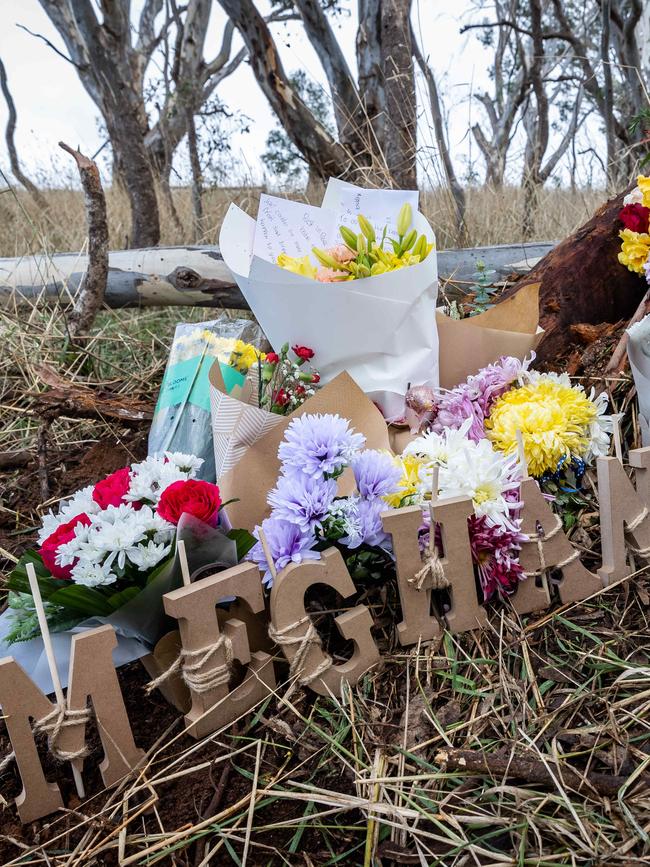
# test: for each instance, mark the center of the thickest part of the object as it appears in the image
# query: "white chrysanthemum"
(169, 474)
(81, 502)
(93, 574)
(151, 522)
(535, 376)
(187, 463)
(485, 475)
(147, 556)
(439, 448)
(117, 534)
(601, 428)
(77, 547)
(634, 198)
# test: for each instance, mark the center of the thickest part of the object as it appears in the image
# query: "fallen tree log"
(194, 275)
(582, 281)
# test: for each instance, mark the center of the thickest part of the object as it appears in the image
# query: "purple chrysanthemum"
(319, 445)
(364, 525)
(375, 473)
(302, 499)
(475, 398)
(287, 544)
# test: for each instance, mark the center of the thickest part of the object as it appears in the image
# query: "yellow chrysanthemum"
(302, 265)
(635, 250)
(553, 418)
(643, 184)
(413, 469)
(244, 355)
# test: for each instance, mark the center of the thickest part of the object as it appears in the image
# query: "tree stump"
(582, 281)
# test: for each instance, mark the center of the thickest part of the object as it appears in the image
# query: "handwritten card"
(380, 207)
(291, 227)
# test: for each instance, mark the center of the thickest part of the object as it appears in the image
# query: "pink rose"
(112, 490)
(193, 497)
(50, 547)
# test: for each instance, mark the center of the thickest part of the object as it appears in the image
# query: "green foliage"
(244, 542)
(482, 288)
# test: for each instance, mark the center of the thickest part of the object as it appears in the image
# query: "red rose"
(635, 217)
(49, 548)
(112, 490)
(193, 497)
(281, 398)
(303, 352)
(272, 358)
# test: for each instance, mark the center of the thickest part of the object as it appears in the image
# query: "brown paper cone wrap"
(257, 470)
(236, 423)
(509, 328)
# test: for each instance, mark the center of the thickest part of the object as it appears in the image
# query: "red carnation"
(635, 217)
(281, 398)
(49, 548)
(272, 358)
(303, 352)
(191, 497)
(112, 490)
(315, 377)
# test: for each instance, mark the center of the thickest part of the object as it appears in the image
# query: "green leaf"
(244, 542)
(18, 581)
(117, 600)
(83, 600)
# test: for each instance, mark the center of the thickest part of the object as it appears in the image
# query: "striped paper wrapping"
(235, 427)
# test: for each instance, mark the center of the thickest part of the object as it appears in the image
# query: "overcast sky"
(52, 104)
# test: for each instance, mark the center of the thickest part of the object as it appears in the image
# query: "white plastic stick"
(521, 452)
(182, 558)
(51, 661)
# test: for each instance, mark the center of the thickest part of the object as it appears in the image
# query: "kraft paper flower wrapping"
(508, 328)
(381, 329)
(638, 350)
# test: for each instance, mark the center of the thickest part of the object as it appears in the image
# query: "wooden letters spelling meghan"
(226, 679)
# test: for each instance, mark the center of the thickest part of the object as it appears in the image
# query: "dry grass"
(494, 217)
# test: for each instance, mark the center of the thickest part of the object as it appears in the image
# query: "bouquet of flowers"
(562, 427)
(307, 515)
(181, 421)
(112, 541)
(283, 383)
(635, 235)
(361, 255)
(363, 300)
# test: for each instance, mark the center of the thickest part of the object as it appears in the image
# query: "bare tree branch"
(10, 131)
(91, 292)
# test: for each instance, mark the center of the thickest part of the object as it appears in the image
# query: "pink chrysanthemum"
(475, 397)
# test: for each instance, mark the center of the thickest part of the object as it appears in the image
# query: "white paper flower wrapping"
(381, 329)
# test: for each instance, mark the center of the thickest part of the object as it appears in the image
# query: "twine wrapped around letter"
(311, 636)
(631, 527)
(539, 538)
(432, 574)
(52, 724)
(189, 663)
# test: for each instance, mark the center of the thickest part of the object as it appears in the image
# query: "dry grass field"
(493, 217)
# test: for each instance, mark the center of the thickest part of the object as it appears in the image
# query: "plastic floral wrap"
(181, 420)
